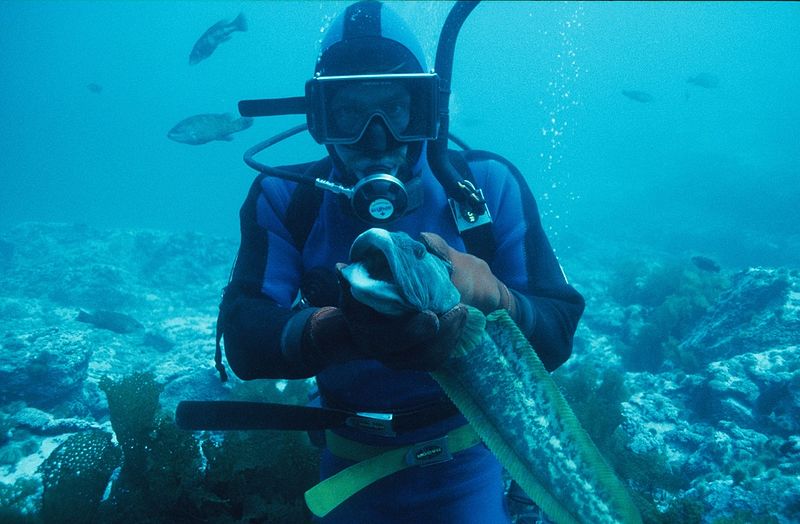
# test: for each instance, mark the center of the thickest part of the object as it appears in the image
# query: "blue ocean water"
(711, 167)
(88, 91)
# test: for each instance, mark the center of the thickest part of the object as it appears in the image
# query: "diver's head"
(372, 102)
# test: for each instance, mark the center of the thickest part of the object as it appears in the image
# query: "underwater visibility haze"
(660, 140)
(671, 123)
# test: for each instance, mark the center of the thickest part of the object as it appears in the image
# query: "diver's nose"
(376, 137)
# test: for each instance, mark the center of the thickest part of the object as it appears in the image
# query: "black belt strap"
(235, 415)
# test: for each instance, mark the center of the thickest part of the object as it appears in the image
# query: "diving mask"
(339, 108)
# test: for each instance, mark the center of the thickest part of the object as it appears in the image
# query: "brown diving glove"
(325, 340)
(472, 277)
(420, 341)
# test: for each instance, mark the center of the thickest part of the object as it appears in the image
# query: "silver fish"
(200, 129)
(214, 36)
(706, 80)
(639, 96)
(500, 385)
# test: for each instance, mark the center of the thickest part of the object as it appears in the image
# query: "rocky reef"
(705, 370)
(686, 375)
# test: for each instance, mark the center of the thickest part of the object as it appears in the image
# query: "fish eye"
(419, 251)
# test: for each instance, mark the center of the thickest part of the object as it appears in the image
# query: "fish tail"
(240, 22)
(244, 122)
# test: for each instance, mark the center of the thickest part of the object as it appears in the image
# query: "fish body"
(707, 80)
(110, 320)
(201, 129)
(502, 388)
(706, 264)
(95, 88)
(214, 36)
(639, 96)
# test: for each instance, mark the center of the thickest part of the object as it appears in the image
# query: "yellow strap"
(375, 464)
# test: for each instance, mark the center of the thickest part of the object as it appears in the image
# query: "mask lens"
(344, 106)
(351, 121)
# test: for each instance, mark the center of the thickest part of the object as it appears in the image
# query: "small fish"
(200, 129)
(705, 264)
(639, 96)
(706, 80)
(214, 36)
(110, 320)
(95, 88)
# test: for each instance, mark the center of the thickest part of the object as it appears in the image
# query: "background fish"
(110, 320)
(200, 129)
(706, 264)
(706, 80)
(214, 36)
(639, 96)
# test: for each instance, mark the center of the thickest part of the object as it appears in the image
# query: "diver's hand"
(326, 339)
(419, 341)
(472, 277)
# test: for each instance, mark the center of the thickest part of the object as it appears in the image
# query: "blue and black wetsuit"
(258, 318)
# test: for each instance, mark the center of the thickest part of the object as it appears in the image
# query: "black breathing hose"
(437, 150)
(263, 168)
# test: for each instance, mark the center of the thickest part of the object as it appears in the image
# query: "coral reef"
(169, 475)
(687, 379)
(43, 367)
(664, 302)
(75, 476)
(15, 501)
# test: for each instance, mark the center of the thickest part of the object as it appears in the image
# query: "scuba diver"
(374, 103)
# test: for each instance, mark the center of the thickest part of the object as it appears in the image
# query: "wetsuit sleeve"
(549, 306)
(253, 322)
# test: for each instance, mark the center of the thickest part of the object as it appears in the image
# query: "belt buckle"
(372, 423)
(429, 452)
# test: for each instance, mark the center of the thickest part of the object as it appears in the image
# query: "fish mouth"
(369, 249)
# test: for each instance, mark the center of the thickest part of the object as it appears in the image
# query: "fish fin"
(472, 334)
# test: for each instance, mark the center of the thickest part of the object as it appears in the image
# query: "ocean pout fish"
(499, 384)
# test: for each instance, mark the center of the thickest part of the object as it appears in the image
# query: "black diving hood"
(300, 105)
(447, 175)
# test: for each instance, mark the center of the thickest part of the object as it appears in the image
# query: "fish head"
(185, 135)
(392, 271)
